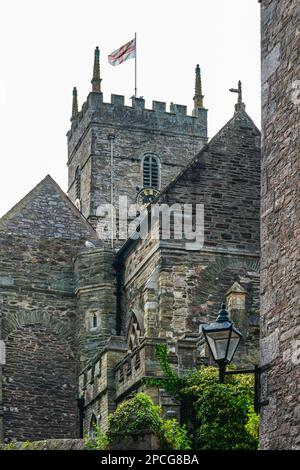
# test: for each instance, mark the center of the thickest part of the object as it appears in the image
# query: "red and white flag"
(123, 53)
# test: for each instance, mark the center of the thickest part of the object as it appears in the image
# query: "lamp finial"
(223, 314)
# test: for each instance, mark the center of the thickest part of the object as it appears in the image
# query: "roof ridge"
(28, 197)
(10, 213)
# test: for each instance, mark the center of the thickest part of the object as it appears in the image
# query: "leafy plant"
(13, 445)
(222, 414)
(10, 446)
(139, 413)
(136, 413)
(172, 382)
(100, 440)
(173, 436)
(252, 425)
(218, 416)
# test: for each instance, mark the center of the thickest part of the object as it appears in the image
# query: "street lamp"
(223, 339)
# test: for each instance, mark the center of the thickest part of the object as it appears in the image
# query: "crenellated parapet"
(174, 120)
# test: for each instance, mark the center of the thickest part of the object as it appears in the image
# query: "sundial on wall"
(145, 196)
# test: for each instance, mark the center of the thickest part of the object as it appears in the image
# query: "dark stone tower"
(107, 144)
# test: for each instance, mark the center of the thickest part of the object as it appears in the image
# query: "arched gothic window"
(134, 334)
(78, 183)
(92, 430)
(151, 172)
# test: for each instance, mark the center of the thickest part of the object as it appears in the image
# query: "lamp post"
(223, 339)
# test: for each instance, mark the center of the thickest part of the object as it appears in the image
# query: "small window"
(151, 172)
(94, 322)
(93, 427)
(78, 183)
(134, 334)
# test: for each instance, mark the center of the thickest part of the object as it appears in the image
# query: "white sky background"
(47, 47)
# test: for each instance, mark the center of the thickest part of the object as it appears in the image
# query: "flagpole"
(135, 70)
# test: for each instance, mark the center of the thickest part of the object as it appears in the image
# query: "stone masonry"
(39, 238)
(280, 218)
(169, 289)
(82, 319)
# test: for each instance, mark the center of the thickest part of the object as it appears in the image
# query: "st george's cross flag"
(123, 53)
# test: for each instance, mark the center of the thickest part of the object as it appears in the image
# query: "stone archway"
(15, 320)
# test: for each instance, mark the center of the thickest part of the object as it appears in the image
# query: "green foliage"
(219, 416)
(99, 442)
(136, 413)
(139, 413)
(10, 446)
(172, 382)
(15, 446)
(222, 414)
(25, 445)
(252, 425)
(173, 436)
(199, 381)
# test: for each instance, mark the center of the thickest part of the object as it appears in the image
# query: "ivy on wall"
(218, 416)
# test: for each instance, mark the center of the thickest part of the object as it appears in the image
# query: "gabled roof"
(236, 288)
(240, 117)
(47, 211)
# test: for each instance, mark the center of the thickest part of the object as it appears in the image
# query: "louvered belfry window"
(150, 172)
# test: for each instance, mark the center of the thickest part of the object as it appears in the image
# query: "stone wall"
(39, 238)
(139, 264)
(280, 216)
(27, 306)
(97, 384)
(47, 444)
(39, 399)
(138, 440)
(203, 280)
(225, 178)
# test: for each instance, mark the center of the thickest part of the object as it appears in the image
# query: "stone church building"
(80, 318)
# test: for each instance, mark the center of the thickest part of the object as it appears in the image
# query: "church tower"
(116, 150)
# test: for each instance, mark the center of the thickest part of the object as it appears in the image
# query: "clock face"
(145, 196)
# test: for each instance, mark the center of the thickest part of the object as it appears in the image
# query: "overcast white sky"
(46, 48)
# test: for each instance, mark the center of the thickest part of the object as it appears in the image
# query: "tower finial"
(198, 98)
(239, 105)
(74, 105)
(96, 80)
